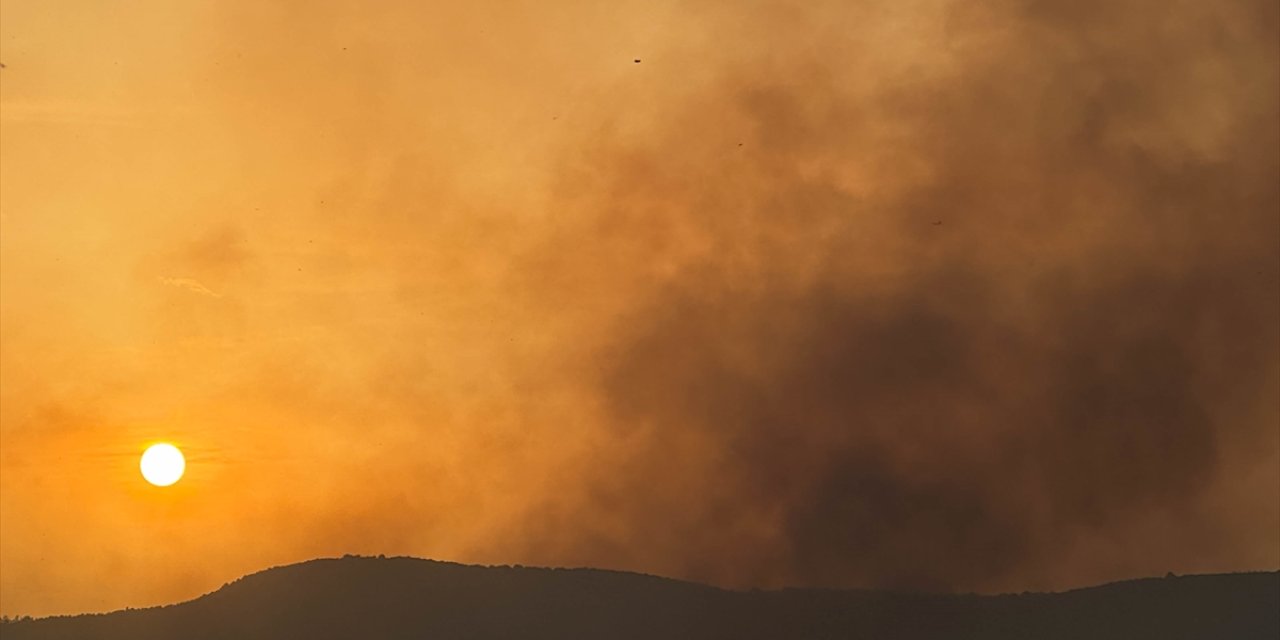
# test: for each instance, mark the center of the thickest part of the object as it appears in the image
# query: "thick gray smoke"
(958, 331)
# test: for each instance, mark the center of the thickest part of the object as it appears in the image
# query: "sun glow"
(162, 464)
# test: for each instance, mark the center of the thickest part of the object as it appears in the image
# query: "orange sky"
(809, 294)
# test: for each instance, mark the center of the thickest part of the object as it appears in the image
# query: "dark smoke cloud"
(1047, 312)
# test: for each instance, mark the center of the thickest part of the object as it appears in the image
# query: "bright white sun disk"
(162, 464)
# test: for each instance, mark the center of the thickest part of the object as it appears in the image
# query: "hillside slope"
(412, 598)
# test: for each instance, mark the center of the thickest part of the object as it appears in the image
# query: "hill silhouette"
(356, 597)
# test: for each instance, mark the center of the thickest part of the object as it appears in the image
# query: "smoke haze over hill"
(893, 294)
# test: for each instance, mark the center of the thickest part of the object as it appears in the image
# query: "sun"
(162, 464)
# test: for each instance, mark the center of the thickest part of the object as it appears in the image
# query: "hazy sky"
(923, 294)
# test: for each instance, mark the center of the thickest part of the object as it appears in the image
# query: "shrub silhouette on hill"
(360, 597)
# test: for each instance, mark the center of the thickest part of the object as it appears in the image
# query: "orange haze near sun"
(281, 238)
(369, 266)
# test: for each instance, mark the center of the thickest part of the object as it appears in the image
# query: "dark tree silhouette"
(357, 597)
